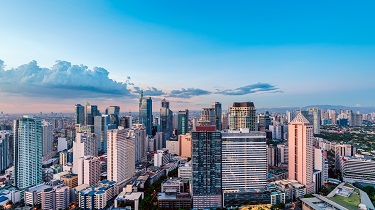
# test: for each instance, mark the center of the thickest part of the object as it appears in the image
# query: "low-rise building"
(128, 199)
(174, 200)
(172, 184)
(97, 196)
(185, 172)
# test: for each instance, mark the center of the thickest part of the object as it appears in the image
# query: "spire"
(300, 119)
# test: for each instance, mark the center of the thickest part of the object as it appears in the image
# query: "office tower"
(120, 156)
(101, 126)
(183, 122)
(206, 161)
(47, 138)
(184, 144)
(28, 142)
(300, 140)
(79, 114)
(4, 150)
(145, 112)
(218, 122)
(242, 115)
(85, 144)
(88, 170)
(90, 112)
(244, 166)
(166, 119)
(113, 112)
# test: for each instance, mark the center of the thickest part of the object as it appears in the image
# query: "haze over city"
(276, 54)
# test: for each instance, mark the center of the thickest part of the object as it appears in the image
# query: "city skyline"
(106, 52)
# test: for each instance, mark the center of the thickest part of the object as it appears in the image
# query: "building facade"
(242, 115)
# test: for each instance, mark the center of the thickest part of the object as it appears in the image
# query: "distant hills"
(363, 110)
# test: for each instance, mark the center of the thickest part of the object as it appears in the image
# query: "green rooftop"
(351, 202)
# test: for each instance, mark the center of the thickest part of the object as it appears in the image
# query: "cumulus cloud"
(188, 93)
(248, 89)
(63, 80)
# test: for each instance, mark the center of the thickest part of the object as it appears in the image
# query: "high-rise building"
(183, 122)
(138, 132)
(79, 114)
(242, 115)
(244, 164)
(224, 121)
(28, 142)
(101, 127)
(343, 150)
(208, 117)
(300, 148)
(218, 122)
(206, 164)
(85, 144)
(145, 113)
(90, 112)
(5, 160)
(88, 170)
(166, 120)
(313, 115)
(120, 155)
(47, 138)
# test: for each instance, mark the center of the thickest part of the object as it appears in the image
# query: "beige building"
(242, 115)
(300, 146)
(184, 144)
(173, 147)
(85, 144)
(120, 155)
(70, 180)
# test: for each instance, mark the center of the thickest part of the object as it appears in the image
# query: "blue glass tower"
(145, 112)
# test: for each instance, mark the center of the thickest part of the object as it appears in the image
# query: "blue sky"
(275, 53)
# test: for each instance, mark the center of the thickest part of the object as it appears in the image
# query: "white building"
(62, 144)
(343, 150)
(185, 172)
(161, 157)
(62, 197)
(88, 170)
(120, 155)
(172, 185)
(85, 144)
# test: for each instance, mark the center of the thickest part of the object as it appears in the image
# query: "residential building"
(97, 196)
(88, 170)
(173, 147)
(161, 157)
(120, 155)
(5, 160)
(28, 140)
(47, 139)
(85, 144)
(70, 180)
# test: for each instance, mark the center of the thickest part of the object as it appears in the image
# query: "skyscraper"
(79, 114)
(313, 116)
(183, 122)
(206, 165)
(242, 115)
(166, 119)
(27, 152)
(101, 127)
(244, 166)
(47, 138)
(90, 112)
(120, 155)
(218, 122)
(145, 112)
(300, 148)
